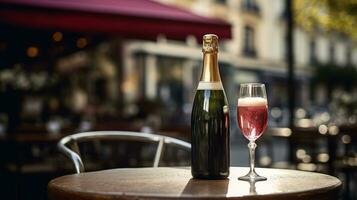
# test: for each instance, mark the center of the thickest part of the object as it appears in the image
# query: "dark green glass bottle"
(210, 119)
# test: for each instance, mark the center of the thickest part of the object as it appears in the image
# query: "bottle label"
(210, 85)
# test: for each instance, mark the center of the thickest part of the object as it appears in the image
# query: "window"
(313, 59)
(250, 5)
(221, 1)
(249, 46)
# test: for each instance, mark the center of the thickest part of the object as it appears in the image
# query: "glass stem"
(252, 147)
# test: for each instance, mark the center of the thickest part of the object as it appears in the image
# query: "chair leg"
(75, 148)
(158, 153)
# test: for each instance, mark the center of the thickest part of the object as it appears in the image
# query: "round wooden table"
(176, 183)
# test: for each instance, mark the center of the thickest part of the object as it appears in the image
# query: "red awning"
(127, 18)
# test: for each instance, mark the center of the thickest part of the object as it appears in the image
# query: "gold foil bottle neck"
(210, 43)
(210, 71)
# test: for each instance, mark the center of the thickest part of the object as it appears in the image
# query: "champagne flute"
(252, 117)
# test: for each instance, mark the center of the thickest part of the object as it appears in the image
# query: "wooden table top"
(175, 183)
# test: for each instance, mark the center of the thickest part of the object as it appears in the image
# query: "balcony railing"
(248, 52)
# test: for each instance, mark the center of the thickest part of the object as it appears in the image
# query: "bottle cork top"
(210, 43)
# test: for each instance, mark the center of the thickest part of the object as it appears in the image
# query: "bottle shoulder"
(210, 101)
(211, 95)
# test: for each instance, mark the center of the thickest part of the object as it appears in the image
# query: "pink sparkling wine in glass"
(252, 117)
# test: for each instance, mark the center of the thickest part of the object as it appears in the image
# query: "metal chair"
(74, 154)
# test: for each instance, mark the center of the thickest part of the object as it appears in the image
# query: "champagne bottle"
(210, 119)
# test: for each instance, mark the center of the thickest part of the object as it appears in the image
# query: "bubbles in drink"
(252, 114)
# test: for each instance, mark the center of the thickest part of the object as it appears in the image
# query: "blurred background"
(72, 66)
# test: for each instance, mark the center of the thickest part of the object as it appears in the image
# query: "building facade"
(169, 70)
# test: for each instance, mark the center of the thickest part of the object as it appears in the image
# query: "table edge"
(123, 195)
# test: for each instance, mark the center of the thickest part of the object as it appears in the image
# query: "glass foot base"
(252, 176)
